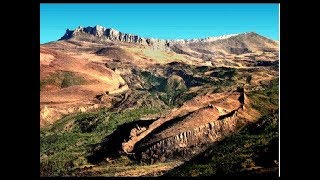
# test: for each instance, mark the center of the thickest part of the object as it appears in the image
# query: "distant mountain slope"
(238, 44)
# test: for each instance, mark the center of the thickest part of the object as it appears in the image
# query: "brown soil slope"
(70, 84)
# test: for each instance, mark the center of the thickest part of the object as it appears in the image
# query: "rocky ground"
(114, 104)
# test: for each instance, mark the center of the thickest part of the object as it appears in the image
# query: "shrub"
(71, 79)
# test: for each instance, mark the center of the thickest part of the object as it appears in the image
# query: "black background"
(21, 80)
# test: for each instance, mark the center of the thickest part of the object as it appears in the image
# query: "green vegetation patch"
(153, 82)
(60, 152)
(62, 79)
(267, 99)
(175, 87)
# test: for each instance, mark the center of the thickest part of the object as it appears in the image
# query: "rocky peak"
(96, 30)
(101, 32)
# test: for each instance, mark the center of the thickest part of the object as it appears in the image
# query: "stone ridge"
(228, 101)
(115, 35)
(209, 125)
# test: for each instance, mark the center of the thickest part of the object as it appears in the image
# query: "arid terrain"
(117, 104)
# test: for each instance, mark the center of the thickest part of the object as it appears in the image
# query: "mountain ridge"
(225, 44)
(114, 34)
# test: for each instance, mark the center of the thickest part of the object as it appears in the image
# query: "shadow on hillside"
(111, 145)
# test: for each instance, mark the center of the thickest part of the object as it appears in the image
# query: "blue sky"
(166, 21)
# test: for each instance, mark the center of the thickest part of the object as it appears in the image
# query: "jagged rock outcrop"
(186, 130)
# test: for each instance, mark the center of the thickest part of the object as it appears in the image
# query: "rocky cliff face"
(99, 33)
(188, 143)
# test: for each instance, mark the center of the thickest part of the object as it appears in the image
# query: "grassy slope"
(64, 145)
